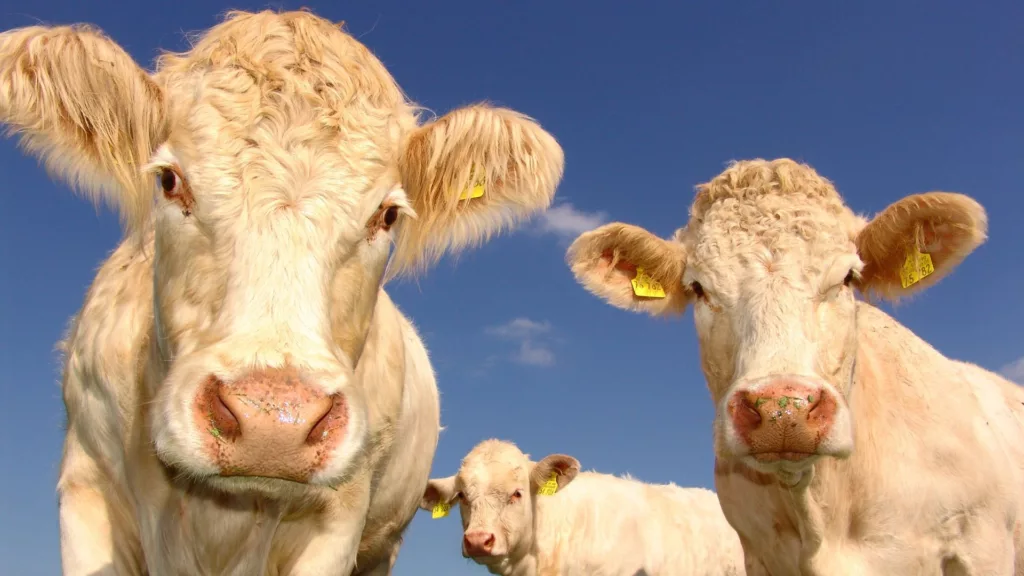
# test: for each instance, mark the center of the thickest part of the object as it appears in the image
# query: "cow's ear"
(469, 175)
(81, 104)
(630, 268)
(917, 241)
(438, 490)
(560, 468)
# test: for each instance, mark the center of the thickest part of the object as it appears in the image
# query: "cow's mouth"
(787, 456)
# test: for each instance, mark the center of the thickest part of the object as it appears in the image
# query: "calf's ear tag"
(440, 510)
(645, 286)
(550, 486)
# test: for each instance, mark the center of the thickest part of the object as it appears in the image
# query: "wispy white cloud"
(566, 222)
(534, 354)
(519, 328)
(1014, 371)
(530, 335)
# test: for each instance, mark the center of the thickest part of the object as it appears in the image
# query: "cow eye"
(697, 289)
(517, 495)
(390, 215)
(168, 181)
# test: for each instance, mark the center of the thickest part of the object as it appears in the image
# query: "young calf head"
(770, 260)
(496, 489)
(276, 163)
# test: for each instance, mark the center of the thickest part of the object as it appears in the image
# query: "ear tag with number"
(916, 267)
(440, 510)
(644, 285)
(550, 486)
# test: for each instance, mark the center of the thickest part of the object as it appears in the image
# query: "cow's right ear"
(618, 262)
(81, 104)
(438, 490)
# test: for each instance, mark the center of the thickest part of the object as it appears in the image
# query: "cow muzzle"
(484, 546)
(787, 419)
(270, 423)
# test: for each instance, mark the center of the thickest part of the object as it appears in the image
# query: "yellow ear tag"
(644, 285)
(478, 188)
(550, 486)
(916, 267)
(474, 192)
(440, 510)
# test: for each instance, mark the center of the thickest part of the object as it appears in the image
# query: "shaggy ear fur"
(517, 162)
(944, 225)
(605, 262)
(564, 467)
(438, 490)
(83, 106)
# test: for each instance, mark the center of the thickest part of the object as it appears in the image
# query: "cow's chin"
(489, 560)
(268, 488)
(789, 467)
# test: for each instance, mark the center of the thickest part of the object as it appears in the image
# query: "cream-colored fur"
(262, 177)
(922, 471)
(594, 525)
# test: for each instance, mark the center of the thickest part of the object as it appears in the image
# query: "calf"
(242, 396)
(845, 443)
(521, 518)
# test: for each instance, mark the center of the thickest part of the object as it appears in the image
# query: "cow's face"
(496, 489)
(281, 165)
(769, 261)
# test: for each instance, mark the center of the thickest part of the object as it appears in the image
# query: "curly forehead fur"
(761, 196)
(266, 94)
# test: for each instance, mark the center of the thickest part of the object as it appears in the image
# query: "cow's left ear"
(469, 175)
(917, 241)
(560, 467)
(438, 490)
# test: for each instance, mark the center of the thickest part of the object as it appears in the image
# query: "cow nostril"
(813, 402)
(489, 542)
(751, 408)
(222, 419)
(323, 425)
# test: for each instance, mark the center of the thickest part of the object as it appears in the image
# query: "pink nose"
(478, 543)
(270, 423)
(785, 419)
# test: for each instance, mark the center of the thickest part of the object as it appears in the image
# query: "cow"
(242, 395)
(521, 518)
(844, 443)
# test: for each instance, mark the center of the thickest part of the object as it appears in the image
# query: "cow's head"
(496, 489)
(276, 163)
(770, 260)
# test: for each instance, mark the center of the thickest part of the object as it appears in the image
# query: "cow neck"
(234, 533)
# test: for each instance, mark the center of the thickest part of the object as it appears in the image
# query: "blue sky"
(647, 99)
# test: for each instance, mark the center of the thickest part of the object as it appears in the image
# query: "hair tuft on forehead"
(749, 179)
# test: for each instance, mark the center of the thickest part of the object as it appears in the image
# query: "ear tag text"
(644, 285)
(550, 486)
(916, 267)
(440, 510)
